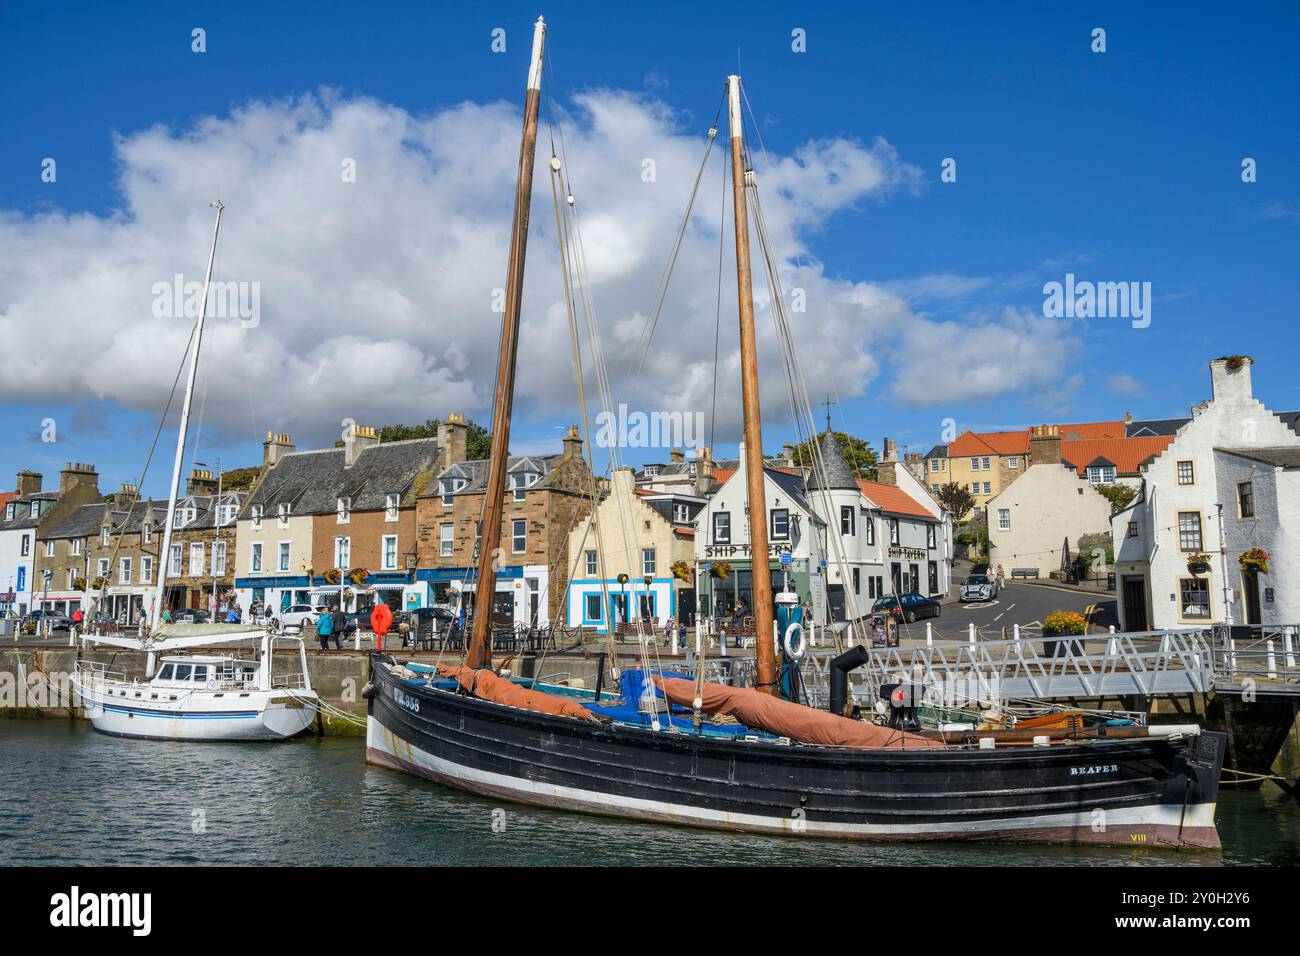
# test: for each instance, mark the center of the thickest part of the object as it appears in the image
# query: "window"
(780, 524)
(869, 527)
(1186, 473)
(257, 517)
(1195, 598)
(591, 563)
(449, 486)
(49, 549)
(70, 576)
(1246, 499)
(182, 517)
(930, 537)
(975, 487)
(1004, 519)
(76, 546)
(651, 471)
(974, 464)
(196, 559)
(282, 514)
(446, 543)
(174, 561)
(478, 537)
(183, 671)
(893, 531)
(934, 489)
(857, 580)
(146, 570)
(518, 536)
(1189, 531)
(591, 612)
(103, 567)
(9, 511)
(124, 571)
(984, 464)
(523, 480)
(226, 514)
(934, 465)
(722, 527)
(146, 532)
(1132, 529)
(104, 534)
(987, 488)
(344, 510)
(218, 558)
(389, 552)
(848, 520)
(681, 513)
(255, 559)
(26, 546)
(1101, 474)
(342, 553)
(284, 555)
(1013, 463)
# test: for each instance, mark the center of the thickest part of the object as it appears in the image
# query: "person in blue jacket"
(325, 627)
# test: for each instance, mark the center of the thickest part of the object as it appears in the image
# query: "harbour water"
(70, 796)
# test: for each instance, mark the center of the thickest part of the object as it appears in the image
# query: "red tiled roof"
(720, 475)
(970, 444)
(1124, 453)
(6, 497)
(1087, 430)
(893, 499)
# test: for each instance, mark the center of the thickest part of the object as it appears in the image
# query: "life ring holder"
(795, 630)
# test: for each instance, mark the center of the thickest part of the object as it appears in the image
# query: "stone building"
(78, 486)
(201, 566)
(546, 497)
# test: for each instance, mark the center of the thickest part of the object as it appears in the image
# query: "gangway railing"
(1260, 654)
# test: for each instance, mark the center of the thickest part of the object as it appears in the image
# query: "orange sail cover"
(487, 685)
(787, 719)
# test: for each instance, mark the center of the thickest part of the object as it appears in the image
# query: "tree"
(858, 454)
(1119, 496)
(478, 443)
(239, 479)
(955, 498)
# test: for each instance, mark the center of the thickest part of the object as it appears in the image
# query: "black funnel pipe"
(840, 667)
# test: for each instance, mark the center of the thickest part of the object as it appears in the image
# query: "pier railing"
(1268, 654)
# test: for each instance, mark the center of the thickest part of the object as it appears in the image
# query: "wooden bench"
(1024, 573)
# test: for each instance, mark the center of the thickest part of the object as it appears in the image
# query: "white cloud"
(376, 295)
(1125, 384)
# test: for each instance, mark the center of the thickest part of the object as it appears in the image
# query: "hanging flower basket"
(332, 576)
(346, 595)
(1198, 563)
(1256, 559)
(98, 583)
(78, 584)
(720, 570)
(682, 571)
(358, 576)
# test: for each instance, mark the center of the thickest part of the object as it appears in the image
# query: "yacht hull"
(1134, 791)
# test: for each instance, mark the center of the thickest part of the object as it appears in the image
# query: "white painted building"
(1229, 482)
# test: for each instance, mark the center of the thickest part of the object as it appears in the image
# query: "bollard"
(929, 635)
(1272, 663)
(1288, 648)
(722, 641)
(1112, 645)
(972, 633)
(1015, 632)
(673, 631)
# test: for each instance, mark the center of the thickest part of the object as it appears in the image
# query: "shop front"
(726, 577)
(275, 593)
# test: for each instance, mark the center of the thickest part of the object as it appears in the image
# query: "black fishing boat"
(1144, 789)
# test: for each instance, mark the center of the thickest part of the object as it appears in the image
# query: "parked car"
(41, 620)
(909, 607)
(979, 587)
(297, 615)
(190, 615)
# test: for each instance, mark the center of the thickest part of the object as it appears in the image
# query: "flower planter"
(1057, 644)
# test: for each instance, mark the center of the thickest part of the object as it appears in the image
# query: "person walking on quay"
(339, 622)
(324, 628)
(1001, 575)
(142, 624)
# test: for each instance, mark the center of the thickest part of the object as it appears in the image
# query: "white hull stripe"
(381, 742)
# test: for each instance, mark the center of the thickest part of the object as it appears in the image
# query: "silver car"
(979, 587)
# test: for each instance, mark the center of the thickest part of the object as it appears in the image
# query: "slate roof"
(81, 523)
(838, 473)
(792, 485)
(313, 481)
(1287, 456)
(938, 451)
(475, 472)
(1168, 426)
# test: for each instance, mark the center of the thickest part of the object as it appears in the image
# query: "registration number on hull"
(406, 700)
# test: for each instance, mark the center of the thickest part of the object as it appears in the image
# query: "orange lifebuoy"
(381, 619)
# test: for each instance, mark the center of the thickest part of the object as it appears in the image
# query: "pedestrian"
(338, 626)
(324, 628)
(1001, 575)
(142, 623)
(232, 616)
(167, 616)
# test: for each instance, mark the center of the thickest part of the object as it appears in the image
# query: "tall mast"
(757, 497)
(155, 613)
(479, 653)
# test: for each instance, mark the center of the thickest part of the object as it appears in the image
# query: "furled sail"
(481, 682)
(776, 716)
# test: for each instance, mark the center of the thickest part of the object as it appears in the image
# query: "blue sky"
(1116, 166)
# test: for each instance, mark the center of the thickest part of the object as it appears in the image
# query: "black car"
(909, 607)
(423, 621)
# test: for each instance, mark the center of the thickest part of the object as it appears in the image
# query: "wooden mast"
(754, 476)
(479, 653)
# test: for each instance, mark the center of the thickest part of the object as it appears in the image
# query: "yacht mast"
(754, 477)
(479, 653)
(155, 613)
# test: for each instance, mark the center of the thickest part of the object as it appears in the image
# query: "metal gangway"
(1266, 657)
(1177, 661)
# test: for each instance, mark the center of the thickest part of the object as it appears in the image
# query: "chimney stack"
(453, 441)
(572, 443)
(1230, 380)
(676, 456)
(201, 482)
(890, 452)
(704, 471)
(78, 475)
(126, 492)
(1045, 445)
(27, 483)
(357, 440)
(274, 448)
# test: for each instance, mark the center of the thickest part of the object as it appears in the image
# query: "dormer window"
(104, 534)
(651, 471)
(226, 514)
(391, 503)
(257, 516)
(344, 510)
(681, 513)
(523, 480)
(146, 532)
(282, 512)
(449, 487)
(691, 468)
(9, 511)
